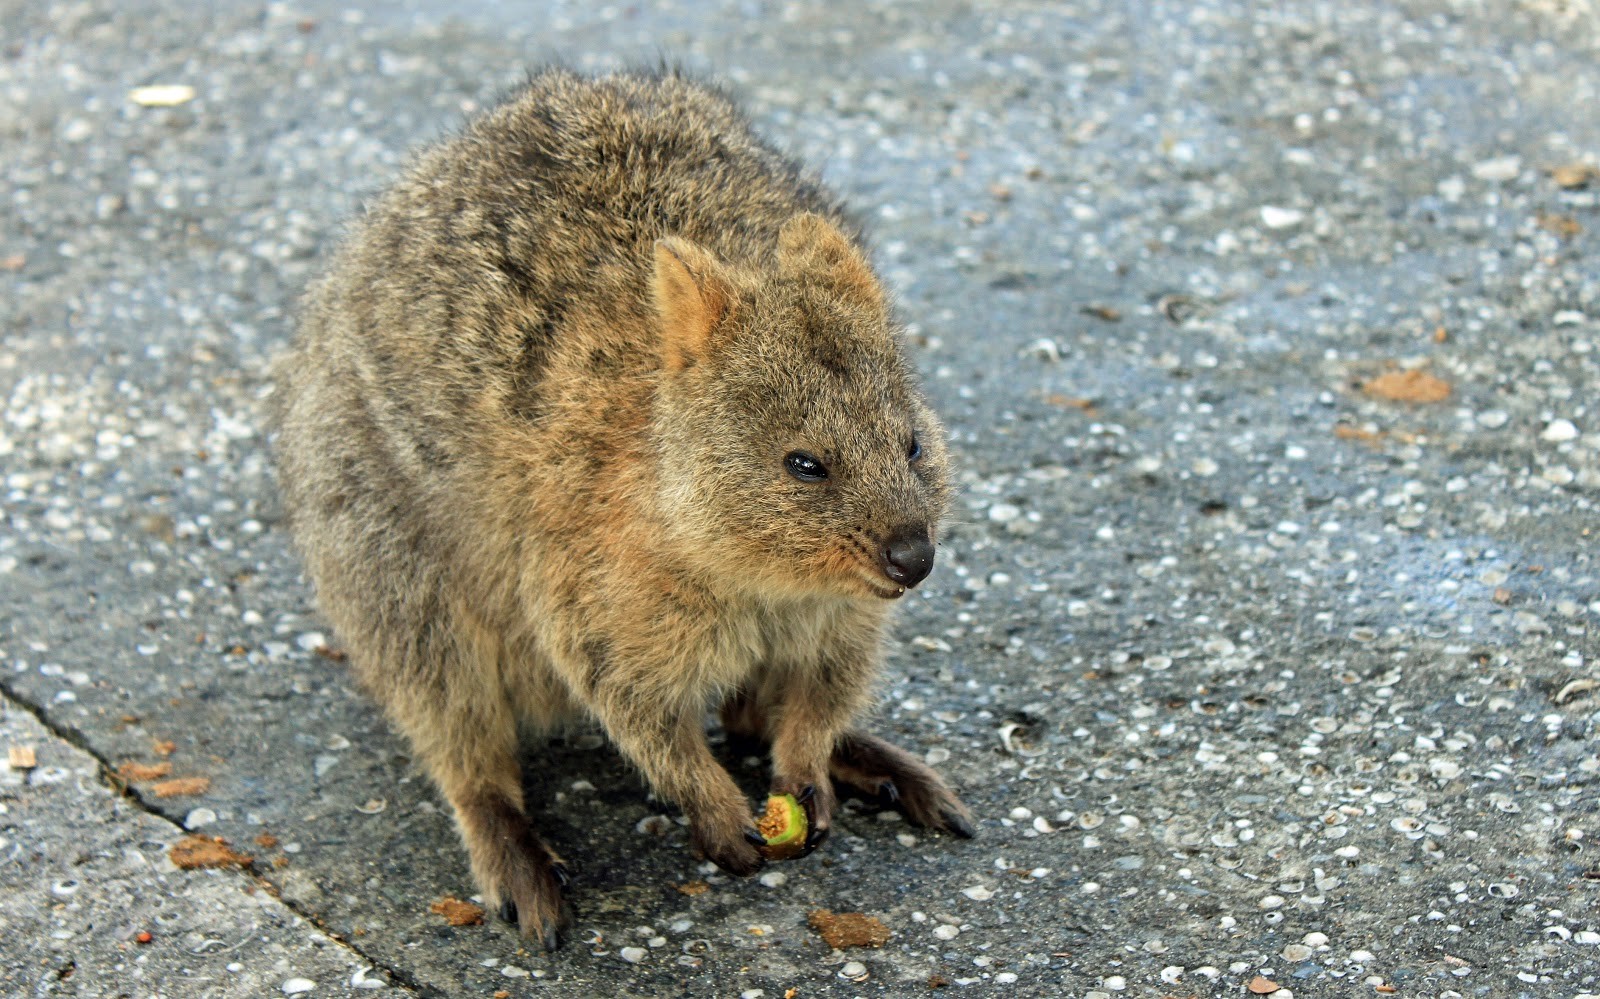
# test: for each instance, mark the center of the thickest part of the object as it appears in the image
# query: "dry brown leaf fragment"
(848, 929)
(12, 262)
(267, 841)
(1415, 385)
(181, 787)
(135, 772)
(163, 747)
(937, 981)
(1105, 312)
(1071, 402)
(457, 912)
(1564, 226)
(1502, 595)
(1262, 986)
(22, 758)
(1573, 175)
(1347, 432)
(694, 888)
(193, 852)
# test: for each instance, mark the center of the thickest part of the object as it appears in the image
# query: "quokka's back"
(462, 277)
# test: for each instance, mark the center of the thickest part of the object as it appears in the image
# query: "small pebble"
(201, 817)
(655, 825)
(1560, 430)
(1044, 348)
(1274, 217)
(1499, 169)
(633, 955)
(1003, 512)
(852, 969)
(774, 879)
(944, 931)
(297, 986)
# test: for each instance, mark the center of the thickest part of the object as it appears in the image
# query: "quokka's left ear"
(692, 295)
(810, 246)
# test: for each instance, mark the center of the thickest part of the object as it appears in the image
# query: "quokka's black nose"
(908, 557)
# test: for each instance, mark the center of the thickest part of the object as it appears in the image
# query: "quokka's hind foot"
(882, 770)
(520, 877)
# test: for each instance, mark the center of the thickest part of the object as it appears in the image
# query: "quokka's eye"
(805, 467)
(914, 452)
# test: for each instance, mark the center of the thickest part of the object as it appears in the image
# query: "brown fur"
(532, 436)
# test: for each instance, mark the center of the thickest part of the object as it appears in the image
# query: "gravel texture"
(1255, 675)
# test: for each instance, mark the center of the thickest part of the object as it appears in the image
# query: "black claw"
(889, 792)
(755, 838)
(806, 793)
(508, 911)
(552, 939)
(815, 837)
(959, 824)
(563, 877)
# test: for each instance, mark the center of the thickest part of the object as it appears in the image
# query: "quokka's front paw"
(818, 799)
(731, 842)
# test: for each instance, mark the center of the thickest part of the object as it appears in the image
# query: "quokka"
(600, 412)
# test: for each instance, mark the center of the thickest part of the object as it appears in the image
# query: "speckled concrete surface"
(1254, 674)
(91, 904)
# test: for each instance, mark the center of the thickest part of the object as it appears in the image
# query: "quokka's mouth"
(857, 562)
(886, 591)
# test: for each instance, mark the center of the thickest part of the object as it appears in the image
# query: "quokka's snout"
(907, 556)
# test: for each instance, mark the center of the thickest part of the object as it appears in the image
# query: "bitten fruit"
(783, 827)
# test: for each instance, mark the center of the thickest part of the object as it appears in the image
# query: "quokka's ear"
(692, 295)
(809, 245)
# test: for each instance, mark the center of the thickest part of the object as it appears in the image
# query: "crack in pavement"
(122, 789)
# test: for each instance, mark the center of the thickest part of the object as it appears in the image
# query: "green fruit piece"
(783, 827)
